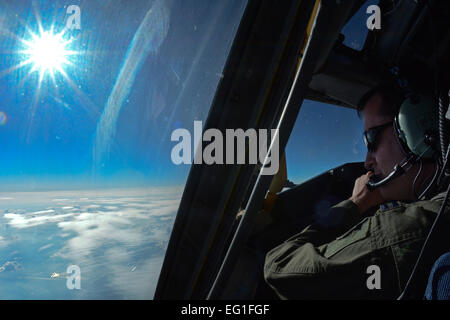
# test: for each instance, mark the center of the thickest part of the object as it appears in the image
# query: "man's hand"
(363, 197)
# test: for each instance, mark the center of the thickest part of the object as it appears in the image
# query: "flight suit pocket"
(352, 236)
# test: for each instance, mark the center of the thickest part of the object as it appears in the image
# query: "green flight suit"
(335, 263)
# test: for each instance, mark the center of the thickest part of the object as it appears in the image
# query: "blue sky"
(324, 137)
(50, 133)
(50, 129)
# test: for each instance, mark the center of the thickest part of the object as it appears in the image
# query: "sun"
(47, 52)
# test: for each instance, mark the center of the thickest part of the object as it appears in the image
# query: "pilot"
(370, 249)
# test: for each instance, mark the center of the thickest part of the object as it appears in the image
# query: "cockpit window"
(90, 94)
(324, 137)
(355, 30)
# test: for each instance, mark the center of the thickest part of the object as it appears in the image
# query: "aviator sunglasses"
(371, 136)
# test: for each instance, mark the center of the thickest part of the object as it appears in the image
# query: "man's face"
(387, 154)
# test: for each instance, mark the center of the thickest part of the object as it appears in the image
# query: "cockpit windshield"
(90, 94)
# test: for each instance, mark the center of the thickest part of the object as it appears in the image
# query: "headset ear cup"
(401, 137)
(417, 123)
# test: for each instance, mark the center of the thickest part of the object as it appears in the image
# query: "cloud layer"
(117, 237)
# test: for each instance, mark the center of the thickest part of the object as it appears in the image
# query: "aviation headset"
(416, 126)
(417, 131)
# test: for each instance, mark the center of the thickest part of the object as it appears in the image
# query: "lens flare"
(47, 52)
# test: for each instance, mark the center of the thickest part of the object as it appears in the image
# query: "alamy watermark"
(374, 280)
(213, 153)
(374, 21)
(74, 18)
(73, 277)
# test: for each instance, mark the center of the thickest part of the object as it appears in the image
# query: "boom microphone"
(398, 171)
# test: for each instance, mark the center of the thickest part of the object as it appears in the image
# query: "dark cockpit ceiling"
(414, 36)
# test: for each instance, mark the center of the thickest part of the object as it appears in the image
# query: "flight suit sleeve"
(344, 215)
(320, 261)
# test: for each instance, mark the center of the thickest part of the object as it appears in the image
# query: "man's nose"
(369, 164)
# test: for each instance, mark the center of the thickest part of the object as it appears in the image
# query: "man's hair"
(391, 98)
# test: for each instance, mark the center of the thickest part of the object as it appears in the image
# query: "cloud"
(45, 247)
(119, 248)
(25, 221)
(43, 211)
(10, 266)
(137, 282)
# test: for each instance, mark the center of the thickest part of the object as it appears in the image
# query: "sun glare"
(47, 52)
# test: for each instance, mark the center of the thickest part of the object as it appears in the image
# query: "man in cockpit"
(371, 251)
